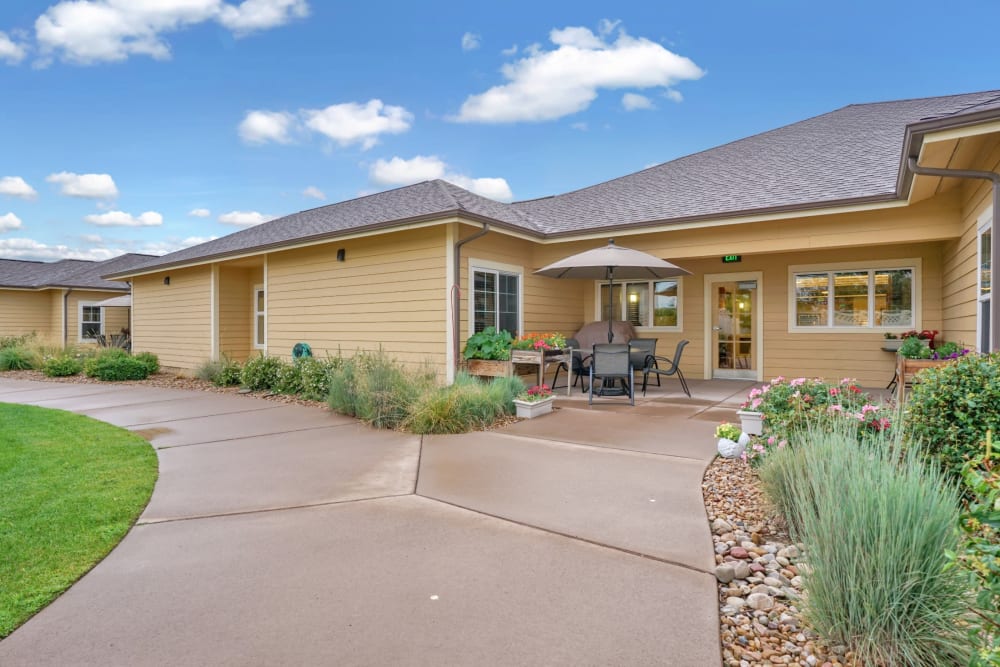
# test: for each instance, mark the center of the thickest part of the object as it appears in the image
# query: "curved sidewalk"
(280, 534)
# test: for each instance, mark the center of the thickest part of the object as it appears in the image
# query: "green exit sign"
(730, 259)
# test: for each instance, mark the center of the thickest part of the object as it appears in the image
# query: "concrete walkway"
(285, 535)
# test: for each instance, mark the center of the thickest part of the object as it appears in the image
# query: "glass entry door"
(733, 346)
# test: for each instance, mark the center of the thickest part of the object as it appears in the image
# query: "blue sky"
(147, 125)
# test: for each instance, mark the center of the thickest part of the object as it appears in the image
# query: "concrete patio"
(282, 534)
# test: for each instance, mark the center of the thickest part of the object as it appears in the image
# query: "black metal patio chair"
(577, 367)
(670, 367)
(610, 363)
(641, 350)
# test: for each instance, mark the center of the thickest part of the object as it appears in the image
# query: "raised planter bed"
(489, 368)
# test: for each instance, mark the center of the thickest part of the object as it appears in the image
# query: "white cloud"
(32, 249)
(91, 31)
(11, 52)
(314, 192)
(398, 171)
(244, 218)
(580, 126)
(15, 186)
(674, 95)
(509, 51)
(123, 219)
(545, 85)
(635, 101)
(471, 41)
(353, 123)
(9, 222)
(199, 213)
(171, 244)
(87, 186)
(92, 238)
(260, 127)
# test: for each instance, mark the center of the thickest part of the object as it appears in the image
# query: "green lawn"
(70, 488)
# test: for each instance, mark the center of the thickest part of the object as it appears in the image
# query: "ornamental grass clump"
(373, 387)
(876, 522)
(465, 405)
(18, 358)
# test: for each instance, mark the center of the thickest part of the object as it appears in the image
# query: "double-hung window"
(91, 322)
(496, 300)
(853, 298)
(983, 286)
(654, 303)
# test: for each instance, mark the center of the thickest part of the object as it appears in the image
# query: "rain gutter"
(994, 237)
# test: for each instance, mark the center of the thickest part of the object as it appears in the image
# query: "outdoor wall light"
(633, 297)
(166, 280)
(341, 254)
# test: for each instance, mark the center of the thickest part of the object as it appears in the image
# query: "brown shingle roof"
(851, 155)
(76, 273)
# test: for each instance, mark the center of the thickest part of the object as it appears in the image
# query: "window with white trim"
(496, 300)
(653, 304)
(259, 318)
(854, 299)
(91, 321)
(984, 291)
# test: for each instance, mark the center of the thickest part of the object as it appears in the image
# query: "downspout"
(66, 317)
(994, 237)
(456, 290)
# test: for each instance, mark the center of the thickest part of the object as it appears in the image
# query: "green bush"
(63, 366)
(373, 387)
(489, 344)
(17, 358)
(316, 377)
(115, 365)
(208, 370)
(260, 373)
(150, 361)
(952, 407)
(881, 521)
(466, 405)
(289, 378)
(914, 348)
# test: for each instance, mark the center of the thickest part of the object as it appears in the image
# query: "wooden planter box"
(907, 368)
(488, 368)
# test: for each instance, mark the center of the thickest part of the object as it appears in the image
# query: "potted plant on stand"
(732, 441)
(536, 401)
(487, 353)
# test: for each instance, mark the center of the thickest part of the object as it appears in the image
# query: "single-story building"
(806, 245)
(64, 302)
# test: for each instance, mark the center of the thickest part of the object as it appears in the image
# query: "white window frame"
(256, 318)
(489, 266)
(914, 264)
(623, 312)
(984, 224)
(79, 321)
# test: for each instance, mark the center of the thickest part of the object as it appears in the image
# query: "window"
(259, 318)
(91, 322)
(854, 299)
(656, 303)
(496, 298)
(984, 291)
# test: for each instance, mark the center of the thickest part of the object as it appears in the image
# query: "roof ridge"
(920, 99)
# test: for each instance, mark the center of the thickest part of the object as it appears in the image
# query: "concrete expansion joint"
(175, 419)
(577, 538)
(240, 437)
(267, 510)
(603, 448)
(416, 474)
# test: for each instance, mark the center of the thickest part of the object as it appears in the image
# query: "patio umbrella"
(610, 262)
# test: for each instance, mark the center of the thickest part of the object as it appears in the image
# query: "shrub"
(952, 407)
(150, 361)
(289, 379)
(913, 348)
(261, 373)
(114, 365)
(316, 377)
(17, 358)
(466, 405)
(489, 344)
(978, 556)
(17, 341)
(882, 521)
(208, 370)
(63, 366)
(385, 391)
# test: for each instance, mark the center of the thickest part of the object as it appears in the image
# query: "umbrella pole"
(611, 293)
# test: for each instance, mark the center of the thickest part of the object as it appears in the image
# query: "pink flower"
(834, 391)
(770, 440)
(756, 402)
(834, 408)
(782, 444)
(758, 448)
(797, 382)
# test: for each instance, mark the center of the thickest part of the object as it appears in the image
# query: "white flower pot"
(532, 409)
(751, 422)
(731, 449)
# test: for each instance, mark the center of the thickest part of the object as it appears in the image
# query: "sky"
(152, 125)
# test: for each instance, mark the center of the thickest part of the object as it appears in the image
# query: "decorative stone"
(725, 573)
(760, 601)
(736, 603)
(741, 569)
(720, 526)
(739, 552)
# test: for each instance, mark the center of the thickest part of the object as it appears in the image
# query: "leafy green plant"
(150, 361)
(62, 366)
(489, 344)
(951, 408)
(316, 376)
(260, 373)
(878, 517)
(115, 365)
(728, 431)
(289, 378)
(978, 555)
(913, 348)
(17, 358)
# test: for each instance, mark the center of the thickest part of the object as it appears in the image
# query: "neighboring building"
(806, 243)
(61, 301)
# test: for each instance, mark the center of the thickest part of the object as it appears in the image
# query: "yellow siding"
(236, 312)
(173, 321)
(25, 311)
(114, 318)
(390, 292)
